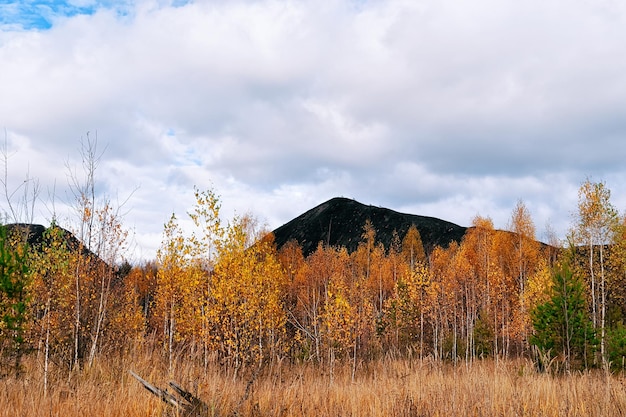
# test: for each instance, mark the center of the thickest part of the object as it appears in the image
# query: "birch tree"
(597, 219)
(247, 309)
(412, 247)
(179, 292)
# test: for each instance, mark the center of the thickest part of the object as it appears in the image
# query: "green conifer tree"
(14, 276)
(562, 325)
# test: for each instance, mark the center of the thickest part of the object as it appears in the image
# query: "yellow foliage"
(538, 289)
(245, 311)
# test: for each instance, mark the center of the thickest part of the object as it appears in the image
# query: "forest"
(228, 292)
(225, 299)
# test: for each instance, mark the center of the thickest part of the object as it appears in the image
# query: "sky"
(443, 108)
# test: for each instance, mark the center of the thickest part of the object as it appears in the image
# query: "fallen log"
(188, 405)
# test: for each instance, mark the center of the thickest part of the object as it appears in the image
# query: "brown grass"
(385, 388)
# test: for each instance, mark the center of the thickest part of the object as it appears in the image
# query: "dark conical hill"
(340, 221)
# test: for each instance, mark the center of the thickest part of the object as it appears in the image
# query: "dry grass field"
(385, 388)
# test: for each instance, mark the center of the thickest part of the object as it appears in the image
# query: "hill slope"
(340, 221)
(35, 236)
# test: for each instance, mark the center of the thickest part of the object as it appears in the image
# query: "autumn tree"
(307, 288)
(53, 299)
(108, 288)
(370, 281)
(179, 290)
(523, 260)
(311, 289)
(340, 319)
(492, 267)
(409, 307)
(477, 249)
(538, 290)
(246, 309)
(366, 248)
(204, 242)
(615, 269)
(142, 281)
(221, 288)
(99, 242)
(461, 321)
(125, 323)
(597, 219)
(616, 261)
(54, 262)
(209, 232)
(412, 247)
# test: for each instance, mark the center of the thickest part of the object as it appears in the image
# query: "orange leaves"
(87, 213)
(412, 247)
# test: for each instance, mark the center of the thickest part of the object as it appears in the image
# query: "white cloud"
(432, 107)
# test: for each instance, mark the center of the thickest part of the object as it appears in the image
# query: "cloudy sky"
(435, 107)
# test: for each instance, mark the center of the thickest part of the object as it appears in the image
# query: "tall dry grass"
(392, 387)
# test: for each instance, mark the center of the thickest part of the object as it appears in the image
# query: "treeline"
(225, 293)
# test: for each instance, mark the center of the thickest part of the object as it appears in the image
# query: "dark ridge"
(32, 234)
(339, 222)
(35, 236)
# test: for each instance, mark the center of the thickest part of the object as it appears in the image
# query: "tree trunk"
(77, 318)
(46, 351)
(602, 310)
(104, 295)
